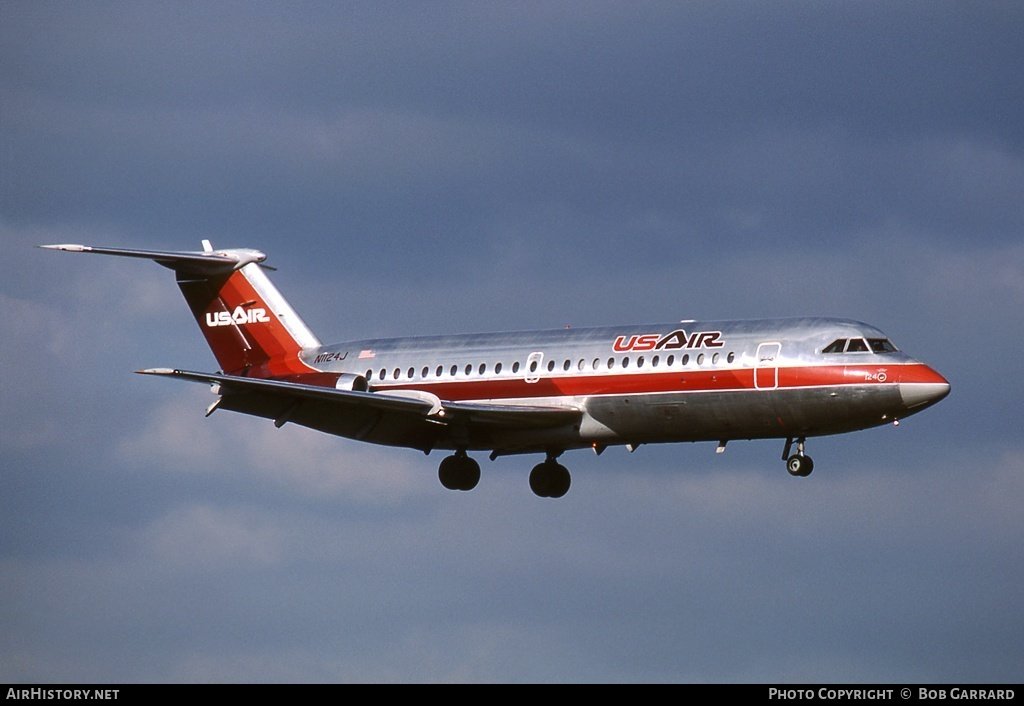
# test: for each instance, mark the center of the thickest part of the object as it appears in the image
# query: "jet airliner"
(539, 392)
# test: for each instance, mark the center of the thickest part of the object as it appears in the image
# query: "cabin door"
(766, 366)
(532, 371)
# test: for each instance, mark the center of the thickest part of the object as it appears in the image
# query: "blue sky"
(429, 168)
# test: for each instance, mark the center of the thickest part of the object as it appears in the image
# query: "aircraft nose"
(925, 387)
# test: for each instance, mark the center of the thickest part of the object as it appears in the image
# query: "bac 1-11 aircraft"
(540, 391)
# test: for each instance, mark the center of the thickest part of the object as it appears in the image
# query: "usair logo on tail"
(237, 317)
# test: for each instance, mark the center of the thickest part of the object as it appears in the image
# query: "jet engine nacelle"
(354, 383)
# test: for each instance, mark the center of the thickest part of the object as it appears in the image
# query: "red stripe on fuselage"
(650, 382)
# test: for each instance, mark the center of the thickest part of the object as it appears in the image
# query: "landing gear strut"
(799, 464)
(550, 479)
(459, 472)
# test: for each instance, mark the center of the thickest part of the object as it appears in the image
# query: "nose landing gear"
(799, 464)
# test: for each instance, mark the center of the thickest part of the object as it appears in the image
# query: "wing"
(400, 418)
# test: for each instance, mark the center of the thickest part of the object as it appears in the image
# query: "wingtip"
(66, 247)
(156, 371)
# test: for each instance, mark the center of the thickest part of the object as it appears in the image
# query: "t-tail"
(251, 328)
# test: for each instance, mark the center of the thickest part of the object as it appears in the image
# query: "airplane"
(539, 392)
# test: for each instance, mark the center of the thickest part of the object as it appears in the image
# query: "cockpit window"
(859, 345)
(881, 345)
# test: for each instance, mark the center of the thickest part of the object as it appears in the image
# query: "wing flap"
(514, 416)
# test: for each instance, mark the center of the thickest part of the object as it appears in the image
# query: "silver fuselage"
(634, 384)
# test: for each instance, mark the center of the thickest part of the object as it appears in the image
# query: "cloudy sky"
(417, 168)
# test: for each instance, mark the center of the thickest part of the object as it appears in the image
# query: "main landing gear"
(799, 464)
(459, 472)
(547, 480)
(550, 479)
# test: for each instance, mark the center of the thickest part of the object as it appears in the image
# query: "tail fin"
(250, 327)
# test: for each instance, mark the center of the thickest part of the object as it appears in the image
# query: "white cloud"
(205, 537)
(176, 437)
(73, 327)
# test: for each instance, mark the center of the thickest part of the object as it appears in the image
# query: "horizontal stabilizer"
(250, 327)
(198, 262)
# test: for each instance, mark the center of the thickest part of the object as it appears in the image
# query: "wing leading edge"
(414, 420)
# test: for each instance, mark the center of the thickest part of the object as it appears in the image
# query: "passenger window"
(714, 359)
(597, 363)
(454, 370)
(566, 364)
(837, 346)
(625, 361)
(469, 368)
(700, 359)
(551, 365)
(686, 359)
(515, 367)
(731, 357)
(672, 361)
(440, 369)
(857, 345)
(497, 368)
(483, 368)
(409, 373)
(654, 361)
(369, 375)
(581, 365)
(640, 362)
(423, 373)
(533, 366)
(611, 363)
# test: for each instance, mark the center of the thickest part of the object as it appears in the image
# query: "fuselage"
(649, 383)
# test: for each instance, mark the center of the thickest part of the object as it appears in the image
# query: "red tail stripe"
(273, 351)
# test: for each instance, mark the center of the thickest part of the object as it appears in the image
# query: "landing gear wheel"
(448, 472)
(539, 480)
(550, 480)
(560, 481)
(800, 466)
(469, 475)
(459, 472)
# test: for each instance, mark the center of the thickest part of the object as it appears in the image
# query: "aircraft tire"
(550, 480)
(448, 472)
(459, 472)
(540, 480)
(560, 481)
(469, 474)
(799, 466)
